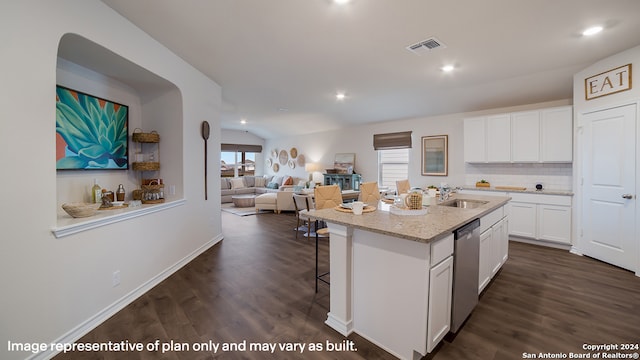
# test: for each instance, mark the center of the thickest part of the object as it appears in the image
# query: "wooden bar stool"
(326, 197)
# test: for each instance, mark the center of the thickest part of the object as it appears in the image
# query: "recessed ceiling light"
(592, 30)
(243, 121)
(341, 2)
(448, 68)
(340, 96)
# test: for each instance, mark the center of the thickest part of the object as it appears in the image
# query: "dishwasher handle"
(466, 229)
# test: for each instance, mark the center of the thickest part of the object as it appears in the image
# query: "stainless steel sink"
(463, 203)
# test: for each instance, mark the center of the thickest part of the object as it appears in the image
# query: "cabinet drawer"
(491, 218)
(441, 249)
(560, 200)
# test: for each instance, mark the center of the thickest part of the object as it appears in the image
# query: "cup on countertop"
(357, 207)
(431, 192)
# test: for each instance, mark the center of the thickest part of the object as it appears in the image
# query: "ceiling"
(280, 63)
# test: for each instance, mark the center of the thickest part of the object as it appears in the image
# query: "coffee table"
(244, 200)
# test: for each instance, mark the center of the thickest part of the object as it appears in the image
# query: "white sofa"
(247, 185)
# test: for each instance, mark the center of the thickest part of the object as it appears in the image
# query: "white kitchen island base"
(392, 275)
(380, 290)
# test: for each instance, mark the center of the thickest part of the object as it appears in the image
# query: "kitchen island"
(391, 275)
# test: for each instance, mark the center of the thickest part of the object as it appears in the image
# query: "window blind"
(241, 148)
(397, 140)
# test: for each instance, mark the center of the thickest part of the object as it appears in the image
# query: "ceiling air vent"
(425, 46)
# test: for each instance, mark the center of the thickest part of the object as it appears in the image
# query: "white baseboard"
(540, 242)
(344, 328)
(79, 331)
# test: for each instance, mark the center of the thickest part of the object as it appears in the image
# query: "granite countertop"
(438, 222)
(529, 191)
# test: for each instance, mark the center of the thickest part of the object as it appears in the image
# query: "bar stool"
(326, 197)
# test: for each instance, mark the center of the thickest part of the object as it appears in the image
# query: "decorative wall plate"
(292, 164)
(268, 162)
(274, 153)
(293, 152)
(301, 161)
(276, 167)
(283, 157)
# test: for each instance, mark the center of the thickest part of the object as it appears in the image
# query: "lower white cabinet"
(440, 290)
(494, 246)
(541, 217)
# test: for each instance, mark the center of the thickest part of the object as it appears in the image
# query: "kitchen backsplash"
(551, 176)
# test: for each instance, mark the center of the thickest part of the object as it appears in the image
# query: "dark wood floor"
(258, 285)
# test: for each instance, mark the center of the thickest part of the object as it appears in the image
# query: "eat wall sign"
(608, 82)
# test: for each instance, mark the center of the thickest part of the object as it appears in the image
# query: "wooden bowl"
(78, 210)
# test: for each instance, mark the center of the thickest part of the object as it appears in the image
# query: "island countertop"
(439, 221)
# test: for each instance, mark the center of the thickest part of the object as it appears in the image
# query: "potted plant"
(483, 183)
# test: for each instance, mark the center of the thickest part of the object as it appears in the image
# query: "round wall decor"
(301, 160)
(283, 157)
(276, 167)
(292, 164)
(293, 152)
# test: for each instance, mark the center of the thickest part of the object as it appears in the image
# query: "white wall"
(322, 147)
(55, 289)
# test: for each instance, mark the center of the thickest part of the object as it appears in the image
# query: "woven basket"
(141, 137)
(146, 166)
(78, 210)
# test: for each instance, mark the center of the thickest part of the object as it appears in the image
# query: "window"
(242, 162)
(393, 165)
(238, 160)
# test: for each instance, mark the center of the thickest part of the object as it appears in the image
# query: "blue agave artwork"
(92, 132)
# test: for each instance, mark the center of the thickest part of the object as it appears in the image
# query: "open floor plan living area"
(320, 179)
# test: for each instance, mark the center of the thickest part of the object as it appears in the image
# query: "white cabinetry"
(556, 126)
(440, 296)
(499, 138)
(544, 135)
(525, 132)
(475, 149)
(541, 217)
(494, 244)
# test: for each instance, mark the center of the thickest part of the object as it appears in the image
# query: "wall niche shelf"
(69, 226)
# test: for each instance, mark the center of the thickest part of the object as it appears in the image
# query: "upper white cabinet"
(556, 127)
(544, 135)
(525, 134)
(475, 148)
(499, 138)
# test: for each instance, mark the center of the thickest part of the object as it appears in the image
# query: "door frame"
(577, 246)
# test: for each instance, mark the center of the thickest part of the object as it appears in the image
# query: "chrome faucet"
(445, 191)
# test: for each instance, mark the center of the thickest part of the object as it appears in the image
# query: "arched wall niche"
(154, 104)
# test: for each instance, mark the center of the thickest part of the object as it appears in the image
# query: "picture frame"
(344, 163)
(435, 155)
(91, 132)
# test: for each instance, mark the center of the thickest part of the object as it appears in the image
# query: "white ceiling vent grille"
(424, 46)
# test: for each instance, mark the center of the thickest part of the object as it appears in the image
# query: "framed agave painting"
(91, 133)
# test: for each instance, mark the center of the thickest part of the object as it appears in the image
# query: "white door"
(608, 193)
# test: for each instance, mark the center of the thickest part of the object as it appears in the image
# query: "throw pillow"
(237, 184)
(278, 180)
(288, 181)
(272, 185)
(260, 181)
(224, 184)
(249, 181)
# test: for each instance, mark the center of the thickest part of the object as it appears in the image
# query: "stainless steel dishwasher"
(465, 272)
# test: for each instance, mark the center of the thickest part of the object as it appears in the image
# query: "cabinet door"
(484, 271)
(496, 247)
(523, 219)
(499, 138)
(556, 127)
(554, 223)
(475, 140)
(525, 136)
(505, 240)
(440, 296)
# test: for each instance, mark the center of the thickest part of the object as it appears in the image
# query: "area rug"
(245, 211)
